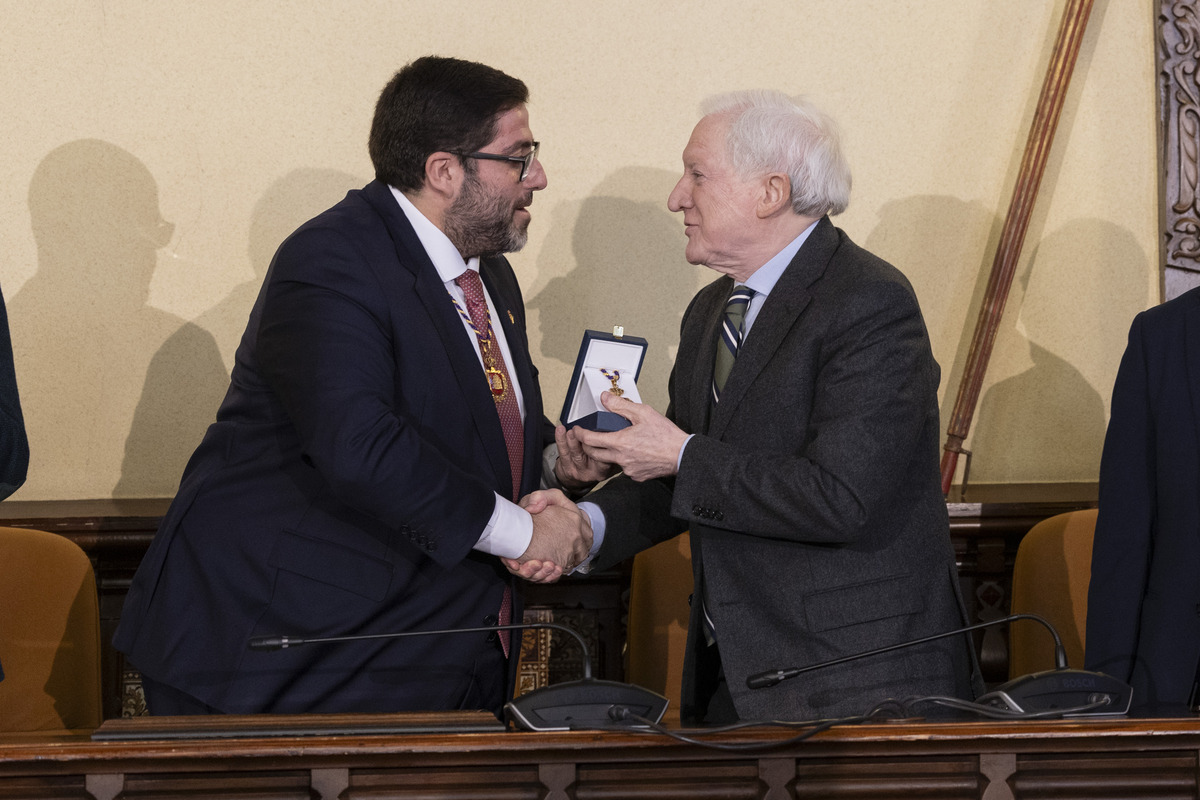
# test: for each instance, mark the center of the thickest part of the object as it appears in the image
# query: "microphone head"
(268, 642)
(765, 680)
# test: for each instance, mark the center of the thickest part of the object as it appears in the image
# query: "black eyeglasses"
(526, 161)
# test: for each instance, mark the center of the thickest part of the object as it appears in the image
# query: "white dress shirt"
(510, 528)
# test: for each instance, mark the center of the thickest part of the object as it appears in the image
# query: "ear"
(443, 174)
(776, 195)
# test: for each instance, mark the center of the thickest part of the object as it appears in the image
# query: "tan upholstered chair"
(660, 584)
(1050, 579)
(49, 634)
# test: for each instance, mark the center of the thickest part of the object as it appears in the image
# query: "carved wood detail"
(1179, 144)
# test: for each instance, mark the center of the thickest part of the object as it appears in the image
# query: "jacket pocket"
(332, 564)
(885, 598)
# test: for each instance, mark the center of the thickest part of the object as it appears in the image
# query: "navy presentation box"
(605, 360)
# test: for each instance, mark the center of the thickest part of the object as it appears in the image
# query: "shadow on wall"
(287, 204)
(943, 245)
(1046, 423)
(629, 270)
(1067, 320)
(84, 337)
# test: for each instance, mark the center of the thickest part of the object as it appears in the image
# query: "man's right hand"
(562, 538)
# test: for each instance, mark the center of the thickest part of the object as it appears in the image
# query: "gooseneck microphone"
(284, 642)
(1058, 688)
(763, 680)
(585, 703)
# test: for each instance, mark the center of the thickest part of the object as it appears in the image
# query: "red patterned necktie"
(506, 405)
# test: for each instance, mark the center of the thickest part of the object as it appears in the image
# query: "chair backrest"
(49, 634)
(660, 585)
(1050, 578)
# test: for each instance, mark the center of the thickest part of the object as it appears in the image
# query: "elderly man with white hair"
(800, 448)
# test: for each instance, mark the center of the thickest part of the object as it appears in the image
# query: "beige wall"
(155, 153)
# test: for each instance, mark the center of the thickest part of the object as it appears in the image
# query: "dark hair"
(437, 104)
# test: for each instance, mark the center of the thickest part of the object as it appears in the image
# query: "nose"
(536, 179)
(678, 199)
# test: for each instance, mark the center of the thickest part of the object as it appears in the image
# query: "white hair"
(771, 132)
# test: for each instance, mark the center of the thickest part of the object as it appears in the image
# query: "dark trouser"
(718, 708)
(167, 701)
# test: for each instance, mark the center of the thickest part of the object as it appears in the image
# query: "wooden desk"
(1085, 759)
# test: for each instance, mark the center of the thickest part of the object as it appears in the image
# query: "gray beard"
(480, 225)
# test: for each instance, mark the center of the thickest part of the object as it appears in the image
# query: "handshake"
(562, 538)
(562, 534)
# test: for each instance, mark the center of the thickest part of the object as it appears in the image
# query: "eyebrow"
(521, 146)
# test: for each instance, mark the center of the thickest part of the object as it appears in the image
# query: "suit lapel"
(460, 349)
(785, 304)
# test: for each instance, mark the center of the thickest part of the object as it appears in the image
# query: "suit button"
(696, 510)
(490, 619)
(719, 515)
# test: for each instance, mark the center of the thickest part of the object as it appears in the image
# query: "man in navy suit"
(383, 415)
(14, 442)
(800, 448)
(1143, 620)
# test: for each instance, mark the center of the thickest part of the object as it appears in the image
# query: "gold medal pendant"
(613, 377)
(495, 375)
(496, 383)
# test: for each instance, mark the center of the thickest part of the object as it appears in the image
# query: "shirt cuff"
(549, 458)
(596, 517)
(679, 460)
(508, 532)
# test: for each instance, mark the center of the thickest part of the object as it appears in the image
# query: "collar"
(446, 259)
(765, 277)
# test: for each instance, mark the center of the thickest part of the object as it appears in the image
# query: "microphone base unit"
(584, 704)
(1058, 689)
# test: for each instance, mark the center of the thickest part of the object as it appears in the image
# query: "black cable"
(889, 708)
(996, 712)
(815, 727)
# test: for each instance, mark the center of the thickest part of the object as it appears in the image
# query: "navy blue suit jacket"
(1143, 622)
(352, 466)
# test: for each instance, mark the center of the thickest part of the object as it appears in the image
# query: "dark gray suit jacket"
(811, 491)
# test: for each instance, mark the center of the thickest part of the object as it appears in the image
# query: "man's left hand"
(648, 448)
(574, 468)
